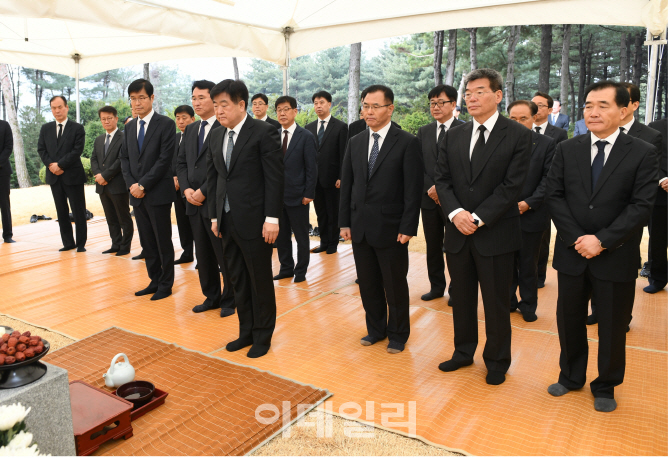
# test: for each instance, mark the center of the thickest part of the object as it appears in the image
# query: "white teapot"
(119, 373)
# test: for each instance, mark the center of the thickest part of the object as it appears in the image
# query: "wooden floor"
(319, 325)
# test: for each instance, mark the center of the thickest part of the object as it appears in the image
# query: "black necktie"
(598, 163)
(622, 129)
(284, 144)
(479, 146)
(320, 133)
(441, 136)
(538, 129)
(107, 143)
(60, 132)
(201, 136)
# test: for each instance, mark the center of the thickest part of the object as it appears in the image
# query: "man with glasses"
(109, 184)
(183, 116)
(481, 169)
(442, 100)
(146, 157)
(382, 179)
(259, 107)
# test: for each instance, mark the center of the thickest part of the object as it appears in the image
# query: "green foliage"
(86, 162)
(412, 121)
(43, 174)
(30, 131)
(93, 130)
(305, 117)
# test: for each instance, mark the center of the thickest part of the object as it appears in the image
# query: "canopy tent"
(83, 37)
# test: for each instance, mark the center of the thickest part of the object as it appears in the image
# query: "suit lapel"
(464, 150)
(67, 128)
(205, 144)
(635, 129)
(115, 140)
(495, 137)
(618, 152)
(329, 129)
(153, 126)
(217, 148)
(242, 139)
(389, 141)
(432, 137)
(292, 144)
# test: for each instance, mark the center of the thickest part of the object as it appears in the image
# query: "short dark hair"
(388, 93)
(58, 97)
(184, 109)
(324, 95)
(621, 95)
(108, 109)
(286, 99)
(633, 90)
(263, 97)
(457, 108)
(236, 90)
(138, 85)
(126, 119)
(451, 92)
(495, 80)
(531, 105)
(202, 84)
(550, 101)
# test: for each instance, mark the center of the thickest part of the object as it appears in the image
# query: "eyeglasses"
(440, 103)
(542, 106)
(140, 99)
(258, 104)
(374, 107)
(106, 119)
(284, 110)
(478, 94)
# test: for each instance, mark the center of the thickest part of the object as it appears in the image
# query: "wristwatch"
(601, 245)
(141, 187)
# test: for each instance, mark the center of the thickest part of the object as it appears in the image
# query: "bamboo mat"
(320, 323)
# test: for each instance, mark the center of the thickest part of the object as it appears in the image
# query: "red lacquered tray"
(157, 400)
(97, 417)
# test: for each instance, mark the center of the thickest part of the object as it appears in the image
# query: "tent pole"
(76, 58)
(654, 44)
(285, 69)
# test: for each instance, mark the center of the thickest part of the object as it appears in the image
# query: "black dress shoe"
(161, 295)
(148, 290)
(225, 311)
(450, 302)
(67, 248)
(184, 260)
(356, 281)
(204, 307)
(122, 252)
(9, 240)
(81, 250)
(591, 319)
(33, 218)
(111, 250)
(652, 288)
(280, 275)
(495, 378)
(318, 249)
(429, 296)
(451, 365)
(331, 250)
(540, 284)
(529, 317)
(239, 344)
(256, 351)
(299, 279)
(139, 256)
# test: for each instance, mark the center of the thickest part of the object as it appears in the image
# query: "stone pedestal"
(50, 420)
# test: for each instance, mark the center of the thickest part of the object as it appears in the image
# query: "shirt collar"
(210, 121)
(447, 123)
(238, 127)
(147, 118)
(383, 132)
(264, 118)
(489, 123)
(63, 123)
(112, 133)
(611, 139)
(629, 125)
(291, 128)
(327, 119)
(543, 125)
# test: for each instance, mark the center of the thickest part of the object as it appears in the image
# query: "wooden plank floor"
(320, 323)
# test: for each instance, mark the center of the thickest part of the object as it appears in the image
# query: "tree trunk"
(565, 68)
(451, 57)
(637, 53)
(2, 102)
(156, 81)
(438, 45)
(473, 48)
(589, 68)
(572, 98)
(605, 65)
(39, 76)
(629, 70)
(146, 72)
(662, 84)
(461, 87)
(105, 82)
(623, 59)
(354, 81)
(19, 155)
(545, 58)
(514, 33)
(237, 72)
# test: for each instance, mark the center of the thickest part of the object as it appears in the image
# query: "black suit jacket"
(177, 144)
(330, 154)
(150, 167)
(388, 202)
(108, 165)
(662, 126)
(6, 147)
(615, 211)
(360, 125)
(299, 167)
(492, 192)
(427, 136)
(66, 152)
(536, 219)
(273, 122)
(254, 183)
(192, 167)
(556, 133)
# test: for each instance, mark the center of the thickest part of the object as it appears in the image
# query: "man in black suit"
(146, 156)
(184, 116)
(360, 125)
(245, 177)
(658, 224)
(442, 100)
(481, 169)
(259, 107)
(60, 145)
(7, 142)
(534, 214)
(382, 179)
(558, 119)
(109, 183)
(192, 173)
(542, 126)
(331, 136)
(600, 191)
(299, 149)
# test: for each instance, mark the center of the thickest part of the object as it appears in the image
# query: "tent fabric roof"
(107, 34)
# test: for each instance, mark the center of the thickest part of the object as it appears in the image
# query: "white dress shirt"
(208, 127)
(554, 117)
(543, 127)
(383, 132)
(264, 118)
(610, 143)
(626, 127)
(236, 129)
(147, 120)
(447, 124)
(111, 135)
(489, 123)
(290, 130)
(325, 123)
(63, 123)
